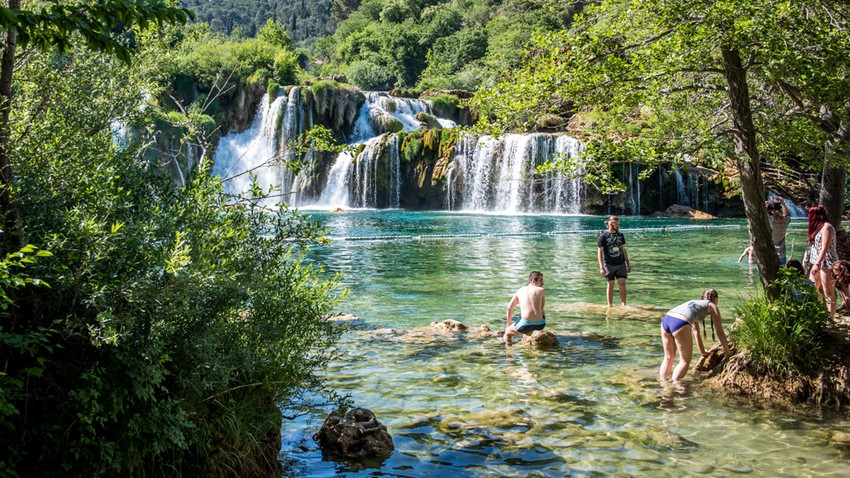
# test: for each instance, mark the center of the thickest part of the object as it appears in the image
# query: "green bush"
(369, 76)
(178, 320)
(787, 334)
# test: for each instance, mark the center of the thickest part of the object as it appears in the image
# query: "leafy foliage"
(99, 23)
(175, 324)
(784, 335)
(466, 42)
(304, 20)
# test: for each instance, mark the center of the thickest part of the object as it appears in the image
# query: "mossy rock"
(428, 121)
(550, 121)
(385, 123)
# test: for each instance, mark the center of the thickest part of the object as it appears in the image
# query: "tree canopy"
(701, 81)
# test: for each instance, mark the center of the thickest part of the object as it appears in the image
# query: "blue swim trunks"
(523, 326)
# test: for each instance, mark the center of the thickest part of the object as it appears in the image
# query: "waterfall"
(251, 153)
(484, 174)
(489, 174)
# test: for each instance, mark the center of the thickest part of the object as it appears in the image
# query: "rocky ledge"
(829, 387)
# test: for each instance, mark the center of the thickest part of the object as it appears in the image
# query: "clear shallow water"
(465, 405)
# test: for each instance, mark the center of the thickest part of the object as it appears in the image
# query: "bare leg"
(610, 292)
(685, 343)
(621, 281)
(669, 354)
(828, 289)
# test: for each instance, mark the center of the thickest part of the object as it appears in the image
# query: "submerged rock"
(356, 435)
(349, 319)
(449, 325)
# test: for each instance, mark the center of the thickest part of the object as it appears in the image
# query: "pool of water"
(467, 405)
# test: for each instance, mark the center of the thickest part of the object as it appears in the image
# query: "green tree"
(53, 27)
(667, 79)
(274, 34)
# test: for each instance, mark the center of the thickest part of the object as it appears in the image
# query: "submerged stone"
(449, 325)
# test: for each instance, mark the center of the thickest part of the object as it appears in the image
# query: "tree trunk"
(834, 173)
(748, 159)
(832, 192)
(7, 68)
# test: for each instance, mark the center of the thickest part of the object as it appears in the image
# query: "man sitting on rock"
(531, 299)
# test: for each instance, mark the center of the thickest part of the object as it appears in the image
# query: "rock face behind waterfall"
(337, 106)
(355, 436)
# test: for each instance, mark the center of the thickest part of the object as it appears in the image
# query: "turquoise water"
(467, 405)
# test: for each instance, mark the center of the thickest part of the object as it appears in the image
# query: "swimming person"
(531, 299)
(613, 259)
(675, 333)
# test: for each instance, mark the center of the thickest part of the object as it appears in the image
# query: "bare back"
(531, 299)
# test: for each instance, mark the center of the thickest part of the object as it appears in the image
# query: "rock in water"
(356, 435)
(542, 339)
(449, 324)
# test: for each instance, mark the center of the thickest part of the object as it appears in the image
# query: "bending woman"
(676, 335)
(822, 254)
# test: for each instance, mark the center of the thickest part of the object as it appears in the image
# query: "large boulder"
(356, 435)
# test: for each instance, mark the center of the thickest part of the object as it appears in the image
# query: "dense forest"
(305, 20)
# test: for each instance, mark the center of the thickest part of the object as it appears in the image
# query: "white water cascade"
(485, 174)
(251, 153)
(499, 174)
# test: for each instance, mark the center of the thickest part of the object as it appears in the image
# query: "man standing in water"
(531, 299)
(613, 259)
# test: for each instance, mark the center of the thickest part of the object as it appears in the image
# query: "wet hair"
(611, 218)
(817, 218)
(797, 265)
(774, 205)
(841, 272)
(534, 276)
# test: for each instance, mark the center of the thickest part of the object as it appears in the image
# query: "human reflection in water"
(672, 397)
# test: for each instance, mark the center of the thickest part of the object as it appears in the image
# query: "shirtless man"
(531, 299)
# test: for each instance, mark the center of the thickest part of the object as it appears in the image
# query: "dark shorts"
(614, 271)
(523, 326)
(671, 324)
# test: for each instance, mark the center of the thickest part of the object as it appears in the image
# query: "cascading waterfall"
(632, 171)
(490, 174)
(252, 152)
(485, 174)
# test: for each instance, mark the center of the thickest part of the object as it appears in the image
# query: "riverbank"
(826, 388)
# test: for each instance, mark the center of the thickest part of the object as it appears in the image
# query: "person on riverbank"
(531, 299)
(613, 259)
(778, 217)
(841, 275)
(677, 336)
(822, 254)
